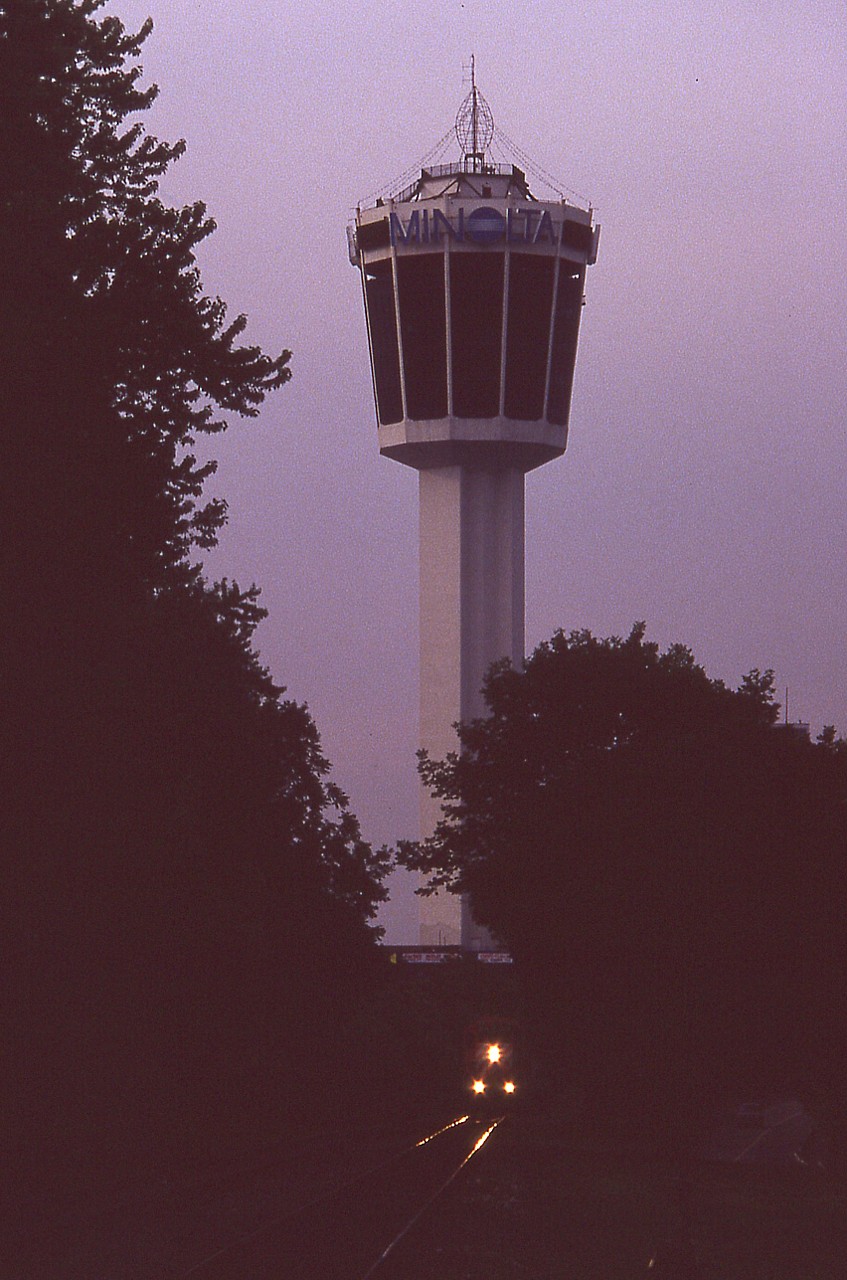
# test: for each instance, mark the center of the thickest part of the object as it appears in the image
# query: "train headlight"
(494, 1053)
(509, 1086)
(479, 1086)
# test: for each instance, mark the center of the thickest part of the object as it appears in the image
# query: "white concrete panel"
(472, 614)
(441, 655)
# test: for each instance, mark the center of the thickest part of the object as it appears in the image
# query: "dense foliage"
(186, 894)
(664, 861)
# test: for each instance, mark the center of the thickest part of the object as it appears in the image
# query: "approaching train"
(494, 1077)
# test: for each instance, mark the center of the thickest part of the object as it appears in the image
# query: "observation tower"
(473, 291)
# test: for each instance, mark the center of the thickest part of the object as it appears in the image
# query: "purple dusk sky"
(704, 485)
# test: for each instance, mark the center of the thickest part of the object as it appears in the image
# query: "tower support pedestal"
(471, 614)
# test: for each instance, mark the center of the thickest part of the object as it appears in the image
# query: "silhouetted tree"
(186, 894)
(662, 860)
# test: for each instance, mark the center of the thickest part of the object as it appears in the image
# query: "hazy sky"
(704, 485)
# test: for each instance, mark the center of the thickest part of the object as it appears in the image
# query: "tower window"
(530, 301)
(565, 333)
(423, 324)
(382, 321)
(476, 317)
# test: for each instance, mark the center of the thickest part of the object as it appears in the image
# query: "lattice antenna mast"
(475, 112)
(474, 127)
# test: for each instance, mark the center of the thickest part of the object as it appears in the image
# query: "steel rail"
(401, 1235)
(325, 1196)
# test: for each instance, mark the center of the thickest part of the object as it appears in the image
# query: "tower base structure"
(471, 615)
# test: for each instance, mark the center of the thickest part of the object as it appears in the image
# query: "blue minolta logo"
(482, 226)
(485, 226)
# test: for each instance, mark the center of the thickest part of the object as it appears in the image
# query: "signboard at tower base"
(442, 955)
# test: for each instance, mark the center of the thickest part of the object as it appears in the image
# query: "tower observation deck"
(473, 291)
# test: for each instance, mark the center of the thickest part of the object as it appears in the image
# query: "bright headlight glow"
(478, 1086)
(494, 1053)
(509, 1086)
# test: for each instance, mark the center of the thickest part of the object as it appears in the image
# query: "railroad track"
(350, 1232)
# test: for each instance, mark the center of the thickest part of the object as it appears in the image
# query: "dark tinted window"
(382, 318)
(423, 324)
(530, 300)
(565, 332)
(476, 316)
(372, 235)
(579, 235)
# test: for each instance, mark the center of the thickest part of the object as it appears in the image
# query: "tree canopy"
(187, 894)
(116, 359)
(660, 856)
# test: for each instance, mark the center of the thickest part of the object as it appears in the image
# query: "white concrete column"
(471, 614)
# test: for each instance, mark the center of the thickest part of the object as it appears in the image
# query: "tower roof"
(469, 177)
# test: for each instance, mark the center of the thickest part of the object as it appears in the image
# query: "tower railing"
(459, 168)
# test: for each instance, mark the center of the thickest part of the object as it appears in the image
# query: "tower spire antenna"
(474, 126)
(475, 104)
